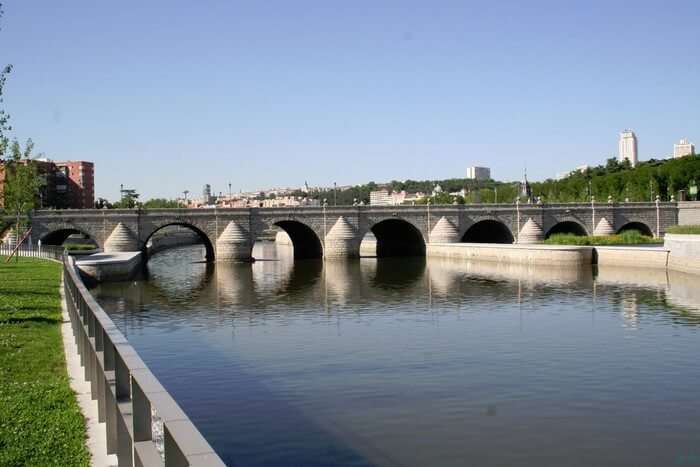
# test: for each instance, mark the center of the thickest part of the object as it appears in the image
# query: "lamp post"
(517, 221)
(428, 208)
(658, 217)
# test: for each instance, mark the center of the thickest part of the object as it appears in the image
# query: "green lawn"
(629, 237)
(684, 229)
(40, 422)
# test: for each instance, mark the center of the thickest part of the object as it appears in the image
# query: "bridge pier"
(234, 245)
(530, 233)
(444, 232)
(342, 241)
(121, 240)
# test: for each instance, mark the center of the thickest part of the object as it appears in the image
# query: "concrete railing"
(145, 426)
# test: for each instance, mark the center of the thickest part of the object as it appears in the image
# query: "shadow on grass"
(29, 319)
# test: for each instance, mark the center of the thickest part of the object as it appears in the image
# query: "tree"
(21, 183)
(159, 203)
(130, 200)
(4, 117)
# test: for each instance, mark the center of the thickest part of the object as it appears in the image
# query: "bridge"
(337, 231)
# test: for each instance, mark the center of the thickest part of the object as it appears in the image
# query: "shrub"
(628, 237)
(684, 229)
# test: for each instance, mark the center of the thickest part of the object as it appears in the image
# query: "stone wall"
(632, 257)
(689, 213)
(684, 252)
(548, 255)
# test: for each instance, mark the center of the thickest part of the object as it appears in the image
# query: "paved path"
(96, 432)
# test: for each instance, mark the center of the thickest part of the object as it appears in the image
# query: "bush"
(684, 229)
(628, 237)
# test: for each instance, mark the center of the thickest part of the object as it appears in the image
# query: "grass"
(40, 422)
(629, 237)
(684, 229)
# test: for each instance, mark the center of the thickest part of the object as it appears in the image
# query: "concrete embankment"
(519, 254)
(684, 252)
(630, 256)
(109, 266)
(555, 255)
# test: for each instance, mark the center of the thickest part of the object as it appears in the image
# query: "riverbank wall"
(684, 252)
(519, 254)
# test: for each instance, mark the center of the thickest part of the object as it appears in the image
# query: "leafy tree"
(102, 203)
(130, 200)
(159, 203)
(22, 183)
(4, 117)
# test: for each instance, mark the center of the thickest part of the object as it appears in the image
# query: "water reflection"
(421, 362)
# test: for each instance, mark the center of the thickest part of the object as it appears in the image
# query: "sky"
(166, 96)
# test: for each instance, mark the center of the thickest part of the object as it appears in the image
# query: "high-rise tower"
(628, 147)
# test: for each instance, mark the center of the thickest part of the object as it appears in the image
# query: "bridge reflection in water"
(420, 361)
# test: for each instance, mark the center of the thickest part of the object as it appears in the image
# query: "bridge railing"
(145, 426)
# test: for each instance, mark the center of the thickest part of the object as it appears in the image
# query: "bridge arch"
(58, 236)
(641, 227)
(208, 245)
(488, 231)
(567, 227)
(305, 241)
(398, 237)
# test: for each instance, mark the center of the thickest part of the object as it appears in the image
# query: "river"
(421, 361)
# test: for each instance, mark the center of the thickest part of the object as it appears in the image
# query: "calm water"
(422, 362)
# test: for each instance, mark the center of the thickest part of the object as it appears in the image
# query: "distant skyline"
(167, 96)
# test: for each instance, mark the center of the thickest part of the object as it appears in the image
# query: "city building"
(75, 182)
(287, 202)
(478, 173)
(683, 148)
(385, 198)
(627, 147)
(63, 185)
(380, 198)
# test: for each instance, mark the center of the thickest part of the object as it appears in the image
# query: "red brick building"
(64, 185)
(79, 186)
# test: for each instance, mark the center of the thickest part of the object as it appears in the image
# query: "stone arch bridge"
(336, 232)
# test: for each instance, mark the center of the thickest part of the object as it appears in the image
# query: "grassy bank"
(40, 422)
(684, 229)
(630, 237)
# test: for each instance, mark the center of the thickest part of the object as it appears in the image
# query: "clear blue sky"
(169, 95)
